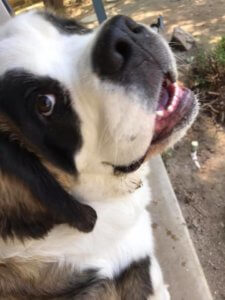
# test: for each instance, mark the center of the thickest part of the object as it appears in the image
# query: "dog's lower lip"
(129, 168)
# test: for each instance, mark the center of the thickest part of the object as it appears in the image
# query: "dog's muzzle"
(127, 53)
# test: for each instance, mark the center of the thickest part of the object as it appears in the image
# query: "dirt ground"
(201, 196)
(201, 193)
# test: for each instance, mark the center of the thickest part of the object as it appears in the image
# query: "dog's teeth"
(174, 101)
(160, 113)
(170, 108)
(176, 94)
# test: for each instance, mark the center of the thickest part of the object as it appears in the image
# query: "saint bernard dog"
(81, 113)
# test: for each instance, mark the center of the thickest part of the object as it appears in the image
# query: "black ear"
(58, 205)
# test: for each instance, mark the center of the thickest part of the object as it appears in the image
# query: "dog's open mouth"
(175, 103)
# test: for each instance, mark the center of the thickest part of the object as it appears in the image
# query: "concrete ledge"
(4, 15)
(174, 248)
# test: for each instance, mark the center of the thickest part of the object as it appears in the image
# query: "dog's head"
(76, 103)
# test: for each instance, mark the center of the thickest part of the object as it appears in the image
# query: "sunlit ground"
(205, 19)
(34, 6)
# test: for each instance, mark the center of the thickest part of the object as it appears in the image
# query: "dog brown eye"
(45, 104)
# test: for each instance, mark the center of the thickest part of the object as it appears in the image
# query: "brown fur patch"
(14, 133)
(14, 193)
(66, 180)
(20, 213)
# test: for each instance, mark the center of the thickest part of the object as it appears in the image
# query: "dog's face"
(95, 102)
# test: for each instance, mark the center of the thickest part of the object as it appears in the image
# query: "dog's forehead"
(37, 42)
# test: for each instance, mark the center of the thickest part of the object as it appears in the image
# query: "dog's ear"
(32, 201)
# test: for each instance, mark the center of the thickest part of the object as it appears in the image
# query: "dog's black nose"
(118, 46)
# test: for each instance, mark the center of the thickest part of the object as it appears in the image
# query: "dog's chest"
(122, 235)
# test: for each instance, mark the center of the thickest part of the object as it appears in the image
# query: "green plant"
(208, 68)
(220, 51)
(206, 77)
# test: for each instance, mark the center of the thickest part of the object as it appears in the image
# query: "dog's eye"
(45, 104)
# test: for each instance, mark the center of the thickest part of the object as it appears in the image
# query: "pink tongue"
(163, 100)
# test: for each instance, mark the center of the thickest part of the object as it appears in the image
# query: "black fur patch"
(56, 137)
(135, 282)
(65, 25)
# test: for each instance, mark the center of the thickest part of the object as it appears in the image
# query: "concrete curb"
(4, 15)
(174, 247)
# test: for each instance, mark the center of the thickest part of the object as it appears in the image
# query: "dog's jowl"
(81, 112)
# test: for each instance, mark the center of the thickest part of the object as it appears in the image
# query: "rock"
(182, 40)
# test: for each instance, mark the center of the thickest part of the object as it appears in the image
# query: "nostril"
(133, 26)
(124, 49)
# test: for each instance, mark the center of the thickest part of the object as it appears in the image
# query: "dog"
(81, 113)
